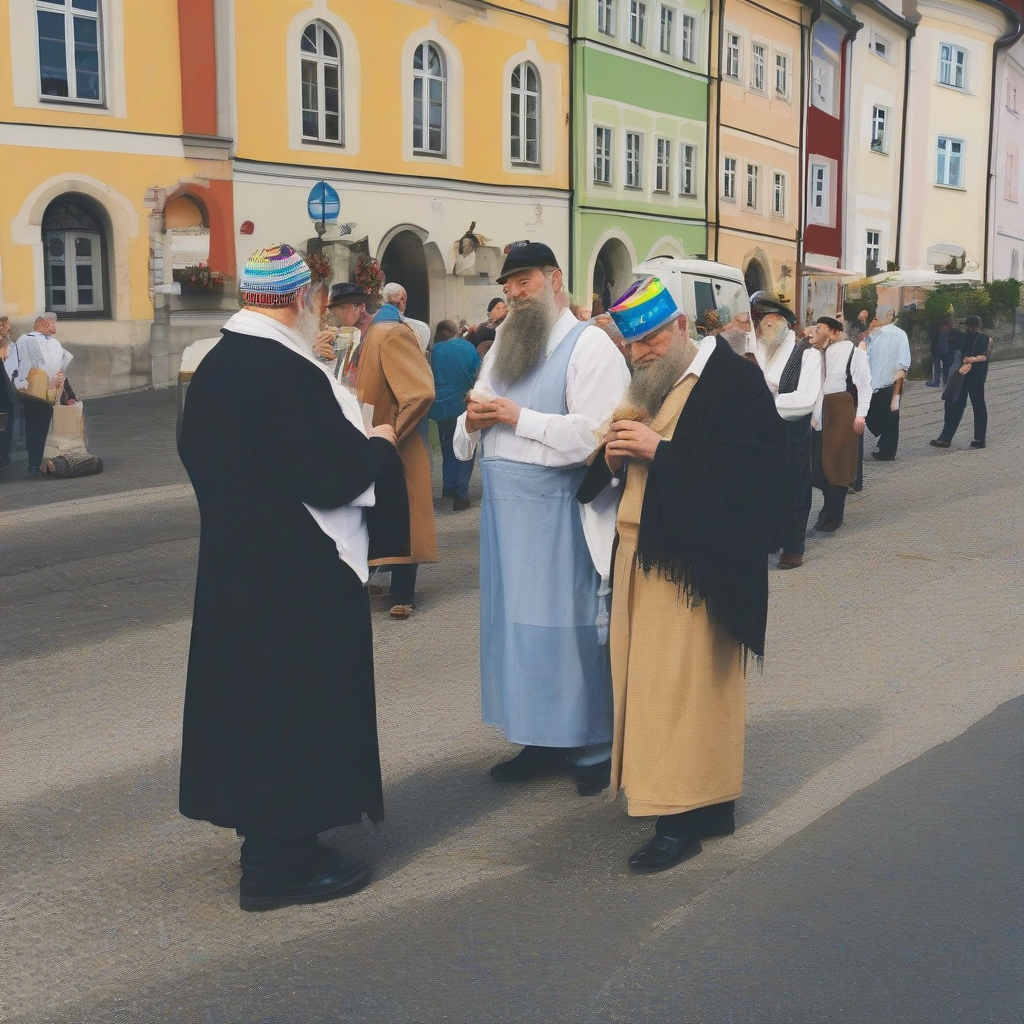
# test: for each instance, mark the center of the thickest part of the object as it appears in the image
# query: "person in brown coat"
(395, 378)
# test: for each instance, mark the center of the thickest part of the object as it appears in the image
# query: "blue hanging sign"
(323, 203)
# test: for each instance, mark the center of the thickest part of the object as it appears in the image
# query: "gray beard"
(772, 338)
(523, 336)
(653, 381)
(307, 326)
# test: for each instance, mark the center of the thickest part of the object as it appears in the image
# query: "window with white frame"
(757, 62)
(819, 186)
(1011, 97)
(606, 17)
(782, 75)
(952, 65)
(662, 165)
(1015, 263)
(602, 155)
(429, 100)
(879, 130)
(729, 178)
(732, 55)
(753, 186)
(668, 30)
(881, 46)
(687, 169)
(637, 22)
(689, 38)
(823, 84)
(949, 162)
(779, 194)
(321, 84)
(70, 50)
(524, 120)
(634, 160)
(1012, 171)
(873, 252)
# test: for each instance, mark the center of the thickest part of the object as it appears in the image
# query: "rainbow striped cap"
(643, 309)
(273, 277)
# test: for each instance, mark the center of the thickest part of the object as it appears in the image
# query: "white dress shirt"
(596, 379)
(797, 403)
(837, 355)
(345, 525)
(43, 351)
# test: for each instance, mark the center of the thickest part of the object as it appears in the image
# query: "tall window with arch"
(70, 53)
(524, 122)
(321, 85)
(74, 247)
(429, 100)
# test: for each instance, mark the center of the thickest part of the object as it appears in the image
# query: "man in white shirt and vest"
(542, 402)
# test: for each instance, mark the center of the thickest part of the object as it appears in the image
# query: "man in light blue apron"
(545, 392)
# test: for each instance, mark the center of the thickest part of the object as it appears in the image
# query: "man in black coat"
(280, 734)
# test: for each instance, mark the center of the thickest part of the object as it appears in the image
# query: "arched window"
(429, 100)
(525, 114)
(321, 85)
(74, 251)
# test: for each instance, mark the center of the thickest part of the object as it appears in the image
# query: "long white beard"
(653, 381)
(307, 327)
(772, 336)
(523, 336)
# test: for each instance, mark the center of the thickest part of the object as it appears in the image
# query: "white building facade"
(1006, 238)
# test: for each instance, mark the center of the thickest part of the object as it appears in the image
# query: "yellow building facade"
(758, 59)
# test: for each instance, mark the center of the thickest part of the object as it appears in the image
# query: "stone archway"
(754, 277)
(613, 271)
(405, 262)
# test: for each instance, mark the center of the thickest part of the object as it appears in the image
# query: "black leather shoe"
(664, 852)
(460, 504)
(977, 444)
(883, 458)
(325, 883)
(829, 525)
(939, 443)
(593, 778)
(532, 763)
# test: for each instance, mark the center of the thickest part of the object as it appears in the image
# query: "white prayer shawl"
(799, 403)
(346, 525)
(596, 380)
(36, 350)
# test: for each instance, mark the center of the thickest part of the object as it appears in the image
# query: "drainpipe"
(1007, 40)
(903, 146)
(711, 179)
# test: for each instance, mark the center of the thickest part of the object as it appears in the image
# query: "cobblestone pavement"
(898, 635)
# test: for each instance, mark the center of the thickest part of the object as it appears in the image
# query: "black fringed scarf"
(789, 381)
(709, 506)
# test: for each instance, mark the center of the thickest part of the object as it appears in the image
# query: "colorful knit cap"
(273, 277)
(643, 309)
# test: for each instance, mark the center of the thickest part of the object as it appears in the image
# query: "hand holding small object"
(324, 346)
(629, 439)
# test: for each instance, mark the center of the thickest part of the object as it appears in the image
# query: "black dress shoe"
(460, 504)
(593, 778)
(939, 443)
(532, 763)
(883, 458)
(977, 444)
(344, 877)
(664, 852)
(829, 525)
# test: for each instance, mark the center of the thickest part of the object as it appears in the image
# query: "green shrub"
(1004, 296)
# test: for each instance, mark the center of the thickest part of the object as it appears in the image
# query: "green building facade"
(640, 138)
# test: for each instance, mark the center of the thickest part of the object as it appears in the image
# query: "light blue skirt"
(545, 678)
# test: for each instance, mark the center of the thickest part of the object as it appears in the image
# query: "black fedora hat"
(346, 291)
(526, 255)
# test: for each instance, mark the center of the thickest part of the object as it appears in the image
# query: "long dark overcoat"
(280, 731)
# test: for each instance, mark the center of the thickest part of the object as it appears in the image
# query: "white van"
(699, 286)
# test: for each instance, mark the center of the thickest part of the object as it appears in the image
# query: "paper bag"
(67, 431)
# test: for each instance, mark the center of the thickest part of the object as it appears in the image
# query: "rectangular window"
(781, 75)
(690, 38)
(757, 60)
(1011, 97)
(880, 45)
(753, 185)
(687, 170)
(779, 194)
(603, 156)
(606, 17)
(729, 178)
(873, 252)
(634, 162)
(732, 55)
(819, 198)
(668, 30)
(952, 65)
(949, 163)
(879, 130)
(70, 58)
(637, 22)
(662, 165)
(822, 85)
(1012, 171)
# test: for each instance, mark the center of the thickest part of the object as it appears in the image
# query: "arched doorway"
(754, 277)
(405, 263)
(75, 257)
(613, 272)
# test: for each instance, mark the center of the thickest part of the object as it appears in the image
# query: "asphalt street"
(876, 874)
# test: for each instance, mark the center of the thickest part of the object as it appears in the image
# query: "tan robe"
(678, 681)
(395, 378)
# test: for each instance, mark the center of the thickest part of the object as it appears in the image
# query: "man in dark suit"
(280, 734)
